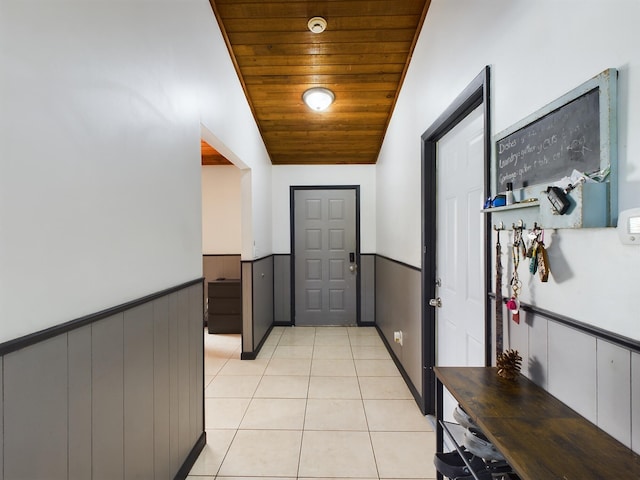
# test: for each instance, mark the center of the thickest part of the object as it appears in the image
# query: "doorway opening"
(475, 95)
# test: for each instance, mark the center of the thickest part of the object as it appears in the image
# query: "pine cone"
(508, 364)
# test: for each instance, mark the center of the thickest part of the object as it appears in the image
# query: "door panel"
(460, 261)
(459, 246)
(324, 241)
(449, 246)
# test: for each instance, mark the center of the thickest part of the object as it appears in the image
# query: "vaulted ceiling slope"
(362, 56)
(210, 156)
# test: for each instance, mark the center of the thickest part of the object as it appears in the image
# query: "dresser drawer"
(225, 289)
(225, 306)
(224, 323)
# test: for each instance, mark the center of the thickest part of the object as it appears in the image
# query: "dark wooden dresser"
(225, 306)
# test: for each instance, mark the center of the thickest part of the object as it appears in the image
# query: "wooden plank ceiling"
(210, 156)
(362, 57)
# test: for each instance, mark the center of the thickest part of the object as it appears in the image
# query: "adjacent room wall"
(221, 210)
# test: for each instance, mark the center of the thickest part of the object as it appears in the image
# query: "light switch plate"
(629, 226)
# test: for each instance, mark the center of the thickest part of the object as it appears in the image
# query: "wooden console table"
(540, 437)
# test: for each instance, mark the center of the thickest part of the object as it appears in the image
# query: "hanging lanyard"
(499, 320)
(513, 304)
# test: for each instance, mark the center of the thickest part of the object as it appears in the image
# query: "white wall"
(285, 176)
(228, 126)
(221, 210)
(100, 177)
(262, 212)
(537, 52)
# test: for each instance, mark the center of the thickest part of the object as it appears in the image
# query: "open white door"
(460, 257)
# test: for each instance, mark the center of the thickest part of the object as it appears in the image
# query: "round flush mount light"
(318, 98)
(317, 24)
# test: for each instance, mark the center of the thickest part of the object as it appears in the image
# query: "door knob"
(435, 302)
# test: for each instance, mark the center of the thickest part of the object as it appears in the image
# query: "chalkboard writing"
(552, 146)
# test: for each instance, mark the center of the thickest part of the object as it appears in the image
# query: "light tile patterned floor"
(317, 403)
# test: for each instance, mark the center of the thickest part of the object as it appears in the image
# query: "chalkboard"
(552, 146)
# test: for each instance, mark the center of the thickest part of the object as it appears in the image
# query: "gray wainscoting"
(282, 289)
(257, 303)
(247, 311)
(597, 378)
(262, 298)
(367, 272)
(1, 419)
(635, 405)
(35, 411)
(118, 397)
(398, 308)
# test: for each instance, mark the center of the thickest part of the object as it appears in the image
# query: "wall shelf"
(589, 208)
(526, 204)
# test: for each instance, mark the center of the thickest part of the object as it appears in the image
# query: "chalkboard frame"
(605, 82)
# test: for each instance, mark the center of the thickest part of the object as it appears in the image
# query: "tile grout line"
(373, 452)
(306, 405)
(231, 355)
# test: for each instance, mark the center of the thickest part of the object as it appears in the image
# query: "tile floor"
(318, 402)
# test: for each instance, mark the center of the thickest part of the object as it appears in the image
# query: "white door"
(460, 323)
(325, 257)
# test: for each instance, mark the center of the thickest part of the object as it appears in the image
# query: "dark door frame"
(474, 95)
(292, 190)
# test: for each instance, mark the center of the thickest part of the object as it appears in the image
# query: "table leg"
(439, 418)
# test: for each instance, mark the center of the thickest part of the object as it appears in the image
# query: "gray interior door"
(325, 265)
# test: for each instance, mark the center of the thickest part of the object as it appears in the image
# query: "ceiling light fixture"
(318, 98)
(317, 24)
